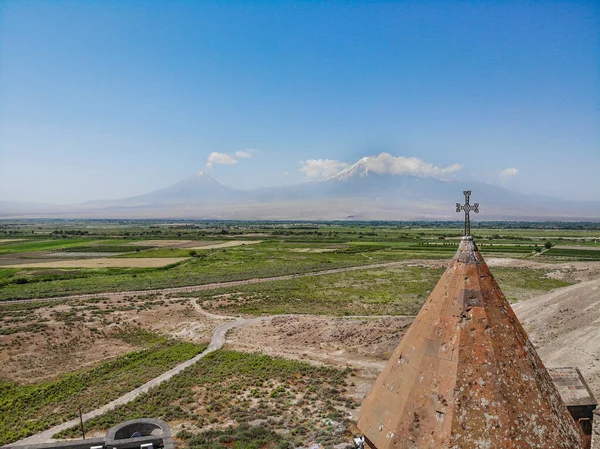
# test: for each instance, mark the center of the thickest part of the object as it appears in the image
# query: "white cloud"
(400, 165)
(286, 173)
(508, 172)
(321, 168)
(244, 154)
(219, 158)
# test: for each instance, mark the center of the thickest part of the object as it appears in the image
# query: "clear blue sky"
(106, 99)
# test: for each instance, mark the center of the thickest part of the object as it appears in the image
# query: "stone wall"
(596, 429)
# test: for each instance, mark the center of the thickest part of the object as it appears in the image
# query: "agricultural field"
(59, 264)
(154, 262)
(323, 303)
(398, 290)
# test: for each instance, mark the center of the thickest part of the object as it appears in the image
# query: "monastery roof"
(465, 375)
(572, 386)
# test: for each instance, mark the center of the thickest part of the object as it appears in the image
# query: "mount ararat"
(355, 193)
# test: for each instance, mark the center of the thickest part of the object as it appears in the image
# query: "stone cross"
(467, 208)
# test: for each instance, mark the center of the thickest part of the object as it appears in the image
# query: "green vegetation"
(227, 385)
(27, 409)
(105, 249)
(287, 248)
(523, 283)
(159, 252)
(41, 245)
(242, 437)
(572, 254)
(217, 265)
(391, 291)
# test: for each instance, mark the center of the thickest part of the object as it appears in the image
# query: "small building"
(578, 398)
(135, 434)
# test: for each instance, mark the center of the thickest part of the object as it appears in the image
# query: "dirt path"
(564, 325)
(585, 271)
(216, 285)
(217, 341)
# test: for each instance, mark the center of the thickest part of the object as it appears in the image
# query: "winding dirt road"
(216, 342)
(544, 317)
(216, 285)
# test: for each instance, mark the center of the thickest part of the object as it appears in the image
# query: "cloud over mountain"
(219, 158)
(385, 163)
(321, 168)
(509, 172)
(227, 159)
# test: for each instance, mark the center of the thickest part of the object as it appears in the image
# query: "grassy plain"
(275, 393)
(389, 291)
(228, 264)
(287, 248)
(27, 409)
(279, 394)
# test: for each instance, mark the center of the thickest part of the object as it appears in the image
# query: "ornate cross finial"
(467, 208)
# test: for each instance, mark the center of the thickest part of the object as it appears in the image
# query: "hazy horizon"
(106, 100)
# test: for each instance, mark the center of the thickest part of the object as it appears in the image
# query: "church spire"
(465, 375)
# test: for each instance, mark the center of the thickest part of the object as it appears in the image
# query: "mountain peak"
(359, 169)
(203, 176)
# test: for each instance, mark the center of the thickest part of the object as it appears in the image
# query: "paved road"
(214, 286)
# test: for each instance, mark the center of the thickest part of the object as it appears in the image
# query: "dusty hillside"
(564, 325)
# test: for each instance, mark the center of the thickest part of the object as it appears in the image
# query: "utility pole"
(81, 422)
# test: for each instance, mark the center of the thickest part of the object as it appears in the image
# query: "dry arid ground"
(141, 262)
(567, 271)
(564, 325)
(60, 338)
(160, 243)
(228, 244)
(80, 333)
(313, 250)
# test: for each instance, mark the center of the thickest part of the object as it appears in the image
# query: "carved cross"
(467, 208)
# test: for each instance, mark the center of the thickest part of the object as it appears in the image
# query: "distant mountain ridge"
(356, 192)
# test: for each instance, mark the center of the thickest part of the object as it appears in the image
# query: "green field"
(227, 385)
(41, 245)
(386, 291)
(27, 409)
(287, 248)
(217, 265)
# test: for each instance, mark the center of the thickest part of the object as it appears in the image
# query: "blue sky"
(102, 99)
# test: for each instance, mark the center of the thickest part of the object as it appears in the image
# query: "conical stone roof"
(465, 375)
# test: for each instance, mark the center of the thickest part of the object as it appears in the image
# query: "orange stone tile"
(465, 375)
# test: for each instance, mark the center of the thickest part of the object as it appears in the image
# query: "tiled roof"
(465, 375)
(572, 386)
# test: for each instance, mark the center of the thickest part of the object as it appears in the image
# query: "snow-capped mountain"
(359, 170)
(377, 187)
